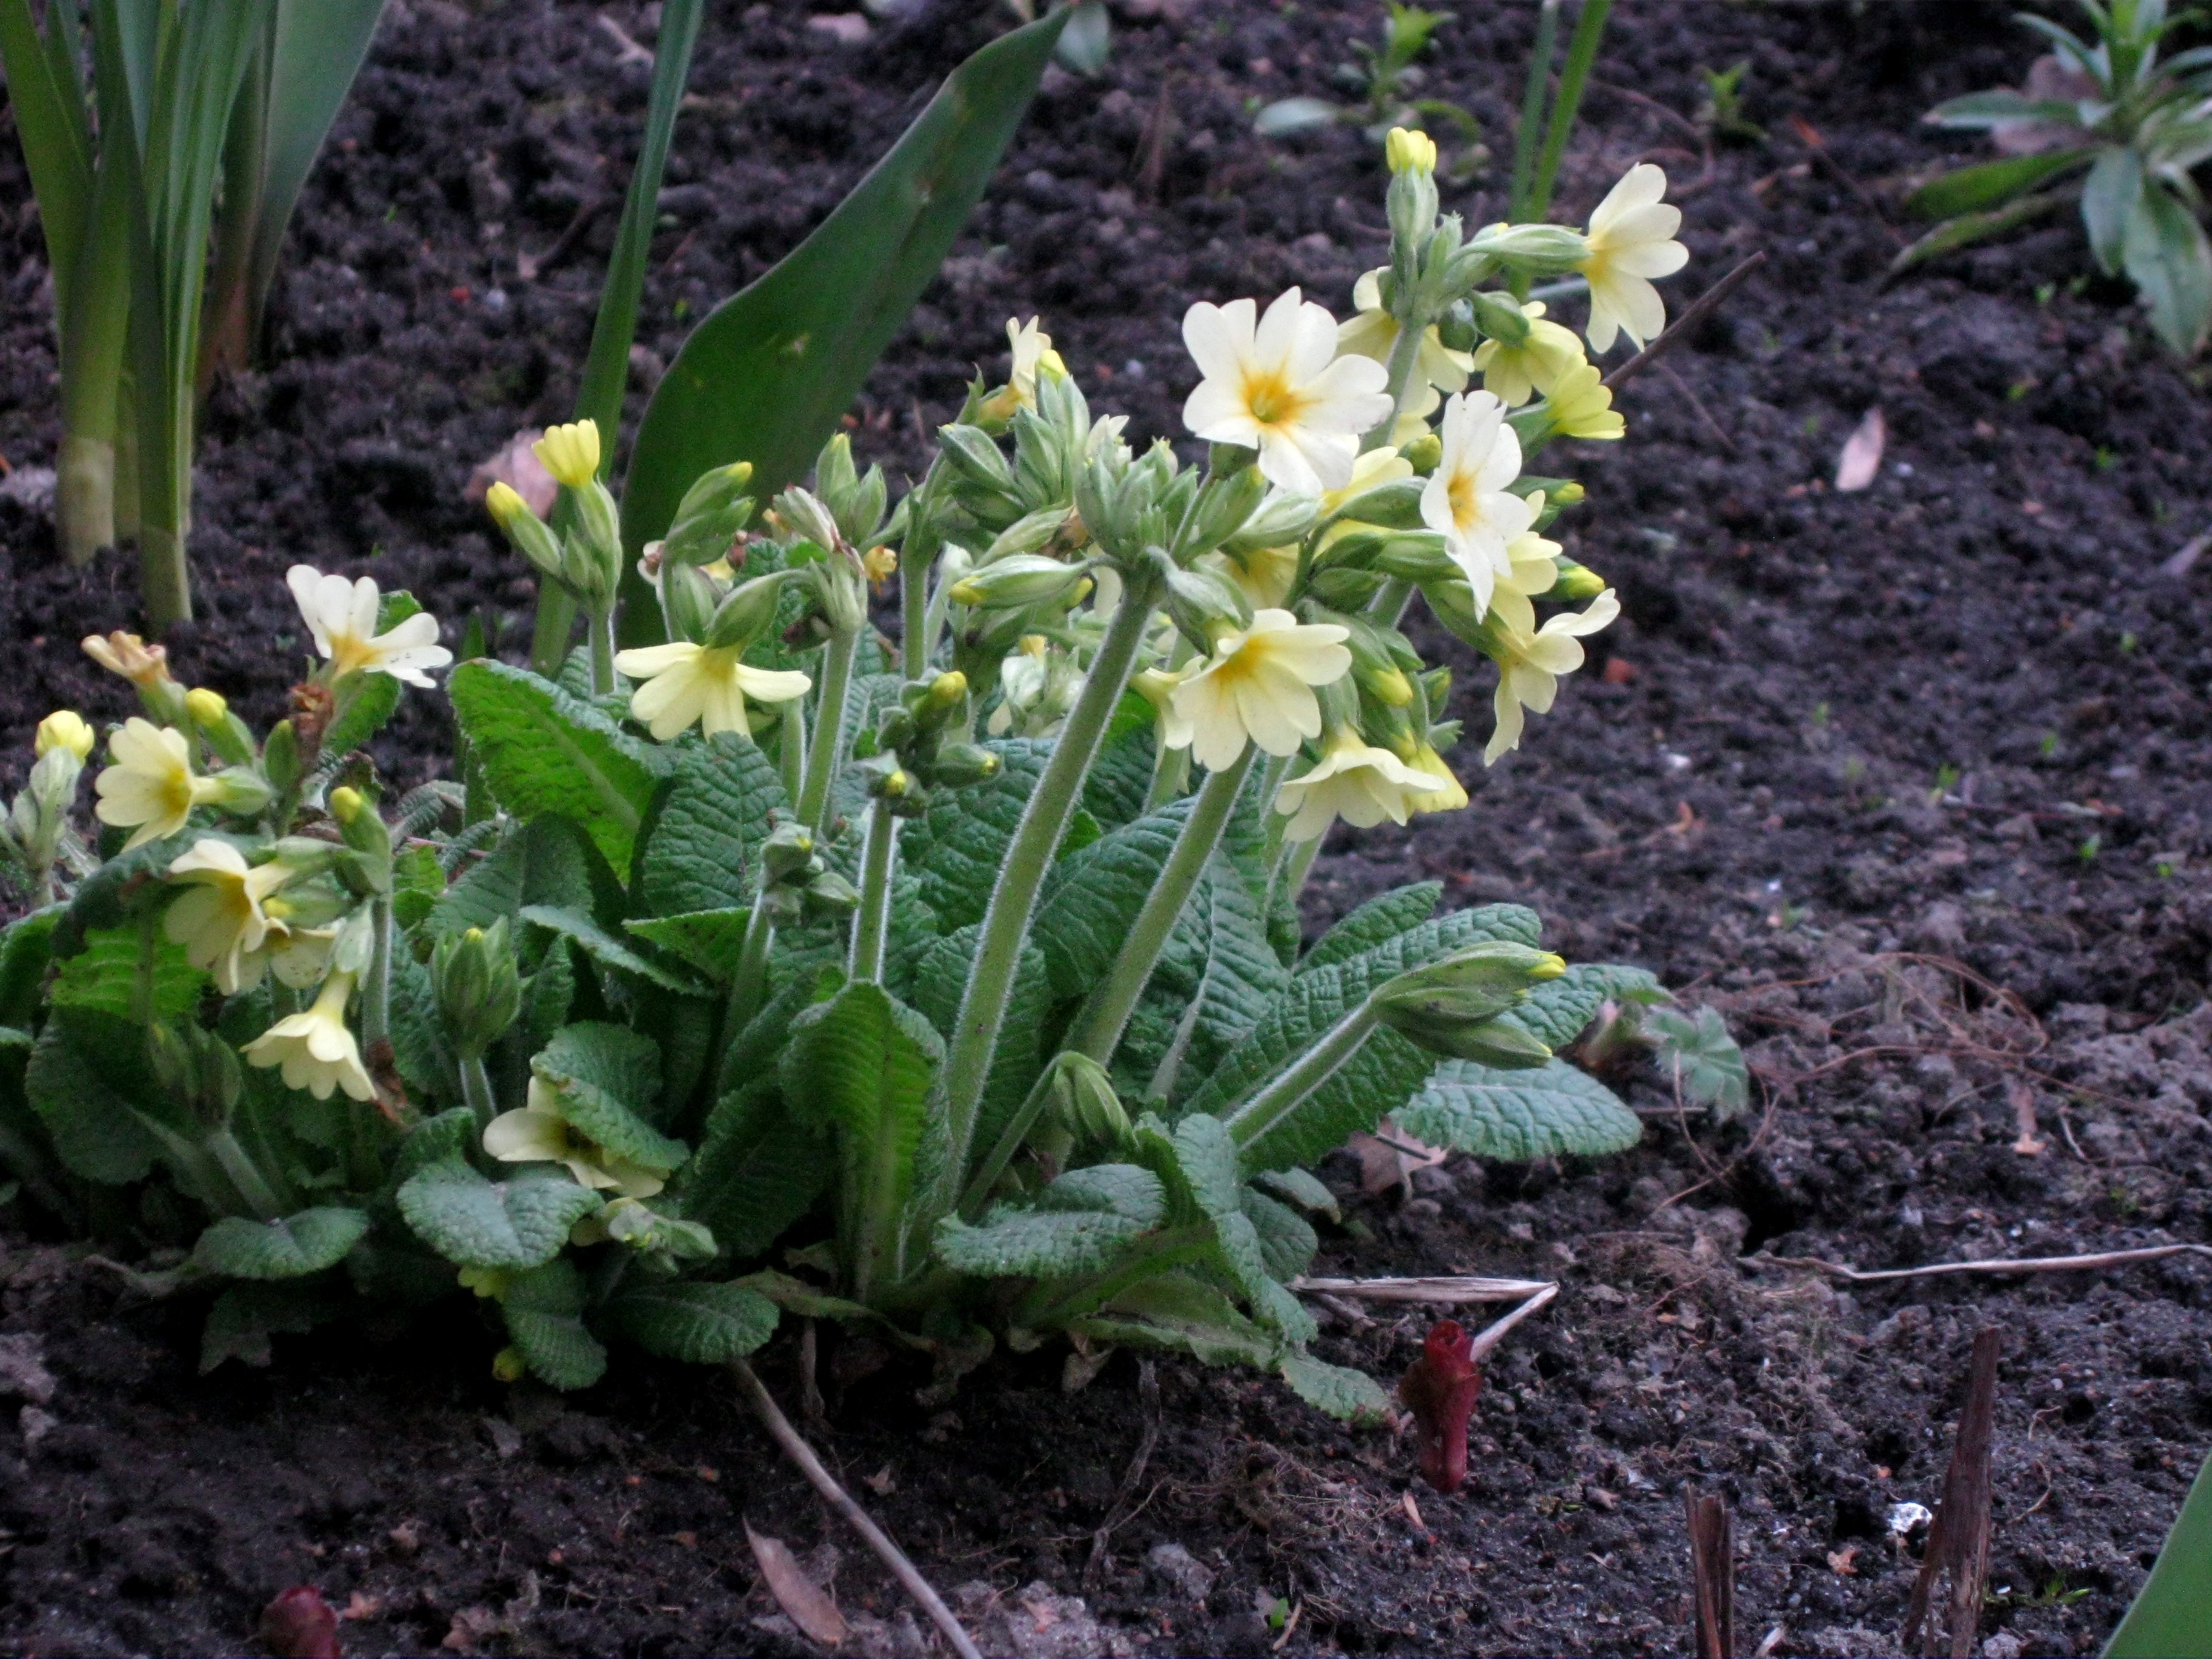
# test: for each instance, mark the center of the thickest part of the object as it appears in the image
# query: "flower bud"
(64, 729)
(1538, 247)
(1080, 1100)
(1204, 604)
(1410, 151)
(1499, 318)
(687, 601)
(146, 667)
(1224, 506)
(830, 895)
(508, 1365)
(478, 988)
(957, 765)
(1577, 583)
(808, 518)
(1411, 208)
(1279, 522)
(241, 793)
(788, 850)
(205, 707)
(346, 804)
(570, 454)
(975, 458)
(1424, 454)
(1441, 1005)
(226, 735)
(746, 613)
(1456, 330)
(529, 534)
(591, 554)
(280, 757)
(713, 511)
(1013, 583)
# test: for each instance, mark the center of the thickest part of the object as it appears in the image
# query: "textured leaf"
(1079, 1224)
(757, 1170)
(1210, 1165)
(545, 751)
(955, 848)
(26, 948)
(1177, 1312)
(1287, 1240)
(708, 939)
(1301, 1187)
(1554, 1111)
(290, 1248)
(699, 1324)
(1558, 1011)
(94, 1119)
(1091, 897)
(1119, 780)
(419, 1044)
(1383, 917)
(475, 1223)
(607, 951)
(702, 842)
(124, 972)
(418, 881)
(1353, 1397)
(604, 1080)
(1219, 974)
(119, 890)
(546, 861)
(245, 1316)
(940, 977)
(450, 1134)
(1703, 1058)
(544, 1313)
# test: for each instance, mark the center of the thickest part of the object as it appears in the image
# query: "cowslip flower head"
(315, 1048)
(1531, 659)
(1274, 384)
(341, 616)
(64, 729)
(150, 785)
(219, 919)
(538, 1134)
(1514, 373)
(1466, 499)
(1373, 332)
(570, 454)
(1357, 782)
(1631, 241)
(687, 683)
(1258, 687)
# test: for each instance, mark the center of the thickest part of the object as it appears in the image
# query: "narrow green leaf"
(607, 951)
(699, 1324)
(1978, 111)
(1552, 1111)
(1972, 228)
(2171, 1617)
(475, 1223)
(1991, 184)
(290, 1248)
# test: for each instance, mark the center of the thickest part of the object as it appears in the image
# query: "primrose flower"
(538, 1134)
(1258, 685)
(342, 615)
(1531, 659)
(150, 785)
(1582, 405)
(64, 729)
(1535, 560)
(220, 921)
(1276, 385)
(571, 452)
(1466, 498)
(1451, 797)
(315, 1049)
(1407, 150)
(1631, 241)
(686, 682)
(130, 656)
(1374, 333)
(1357, 782)
(1514, 374)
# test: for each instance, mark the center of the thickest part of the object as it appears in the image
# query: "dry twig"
(1959, 1538)
(796, 1449)
(1712, 1571)
(2035, 1264)
(1700, 309)
(1449, 1291)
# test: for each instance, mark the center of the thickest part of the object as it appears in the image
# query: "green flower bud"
(1420, 556)
(508, 1365)
(788, 850)
(1347, 590)
(1224, 505)
(478, 986)
(1456, 330)
(830, 895)
(1203, 605)
(808, 518)
(975, 458)
(1537, 248)
(529, 534)
(1016, 582)
(1499, 318)
(687, 600)
(242, 794)
(934, 704)
(1423, 454)
(1440, 1005)
(1577, 583)
(713, 510)
(280, 757)
(1081, 1101)
(747, 613)
(1279, 523)
(957, 765)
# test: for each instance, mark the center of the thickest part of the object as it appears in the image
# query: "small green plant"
(1720, 113)
(2104, 122)
(1385, 78)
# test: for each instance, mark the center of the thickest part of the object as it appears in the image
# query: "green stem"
(1299, 865)
(223, 1147)
(376, 989)
(748, 980)
(602, 626)
(822, 752)
(475, 1090)
(791, 748)
(1405, 355)
(872, 921)
(1582, 53)
(1028, 857)
(1307, 1073)
(1097, 1029)
(917, 555)
(555, 627)
(1009, 1142)
(1526, 140)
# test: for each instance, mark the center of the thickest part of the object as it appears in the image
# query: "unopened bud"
(1441, 1005)
(1016, 582)
(528, 533)
(478, 986)
(747, 613)
(789, 850)
(713, 511)
(1499, 318)
(1083, 1102)
(508, 1365)
(687, 601)
(241, 793)
(957, 765)
(1424, 453)
(830, 895)
(346, 804)
(1205, 605)
(1409, 151)
(570, 454)
(1577, 583)
(206, 707)
(279, 756)
(64, 729)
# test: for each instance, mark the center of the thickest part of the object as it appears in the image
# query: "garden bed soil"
(1912, 783)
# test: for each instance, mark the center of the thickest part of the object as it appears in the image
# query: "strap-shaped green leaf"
(291, 1248)
(2169, 260)
(1383, 917)
(699, 1324)
(1990, 185)
(609, 951)
(604, 1080)
(702, 841)
(1552, 1111)
(475, 1223)
(2172, 1614)
(544, 1313)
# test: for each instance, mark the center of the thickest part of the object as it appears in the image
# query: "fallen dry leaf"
(518, 467)
(881, 1482)
(1839, 1561)
(470, 1625)
(807, 1603)
(361, 1607)
(1862, 458)
(1383, 1164)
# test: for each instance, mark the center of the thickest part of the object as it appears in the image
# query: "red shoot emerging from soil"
(300, 1624)
(1439, 1389)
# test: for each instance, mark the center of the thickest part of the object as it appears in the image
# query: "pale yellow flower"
(1357, 782)
(342, 615)
(1258, 685)
(1275, 384)
(150, 784)
(130, 656)
(1514, 374)
(570, 454)
(1374, 333)
(299, 955)
(1582, 405)
(1408, 151)
(687, 683)
(1530, 660)
(1264, 576)
(1631, 241)
(1534, 559)
(1451, 797)
(315, 1049)
(539, 1135)
(1466, 500)
(64, 729)
(220, 921)
(1033, 354)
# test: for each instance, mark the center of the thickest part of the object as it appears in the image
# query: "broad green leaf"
(1703, 1058)
(1114, 793)
(1176, 1311)
(133, 974)
(1554, 1111)
(96, 1119)
(1091, 897)
(766, 377)
(548, 861)
(435, 1140)
(609, 951)
(1353, 1397)
(604, 1080)
(366, 702)
(1301, 1187)
(701, 843)
(290, 1248)
(1217, 976)
(120, 891)
(1969, 228)
(708, 939)
(546, 751)
(1557, 1012)
(1990, 185)
(699, 1324)
(475, 1223)
(1287, 1240)
(757, 1170)
(245, 1316)
(1978, 111)
(1383, 917)
(418, 881)
(2170, 262)
(1079, 1223)
(1210, 1166)
(955, 848)
(2108, 198)
(543, 1310)
(2172, 1616)
(26, 948)
(940, 974)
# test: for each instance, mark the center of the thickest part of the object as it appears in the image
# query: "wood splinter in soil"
(1712, 1571)
(1959, 1538)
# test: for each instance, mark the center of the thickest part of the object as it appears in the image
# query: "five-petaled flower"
(342, 615)
(219, 919)
(150, 785)
(1466, 498)
(1530, 660)
(1360, 783)
(315, 1048)
(1514, 373)
(1274, 384)
(1631, 241)
(687, 683)
(539, 1135)
(1581, 406)
(130, 656)
(1258, 684)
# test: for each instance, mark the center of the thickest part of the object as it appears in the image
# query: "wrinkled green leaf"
(475, 1223)
(1552, 1111)
(291, 1248)
(543, 1310)
(699, 1324)
(1079, 1223)
(604, 1080)
(609, 951)
(701, 846)
(1383, 917)
(957, 847)
(1349, 1395)
(757, 1170)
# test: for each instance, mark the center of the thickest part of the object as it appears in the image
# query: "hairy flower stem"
(749, 981)
(1405, 355)
(475, 1090)
(1029, 856)
(555, 625)
(238, 1168)
(376, 988)
(1097, 1030)
(1249, 1122)
(872, 921)
(603, 652)
(1298, 864)
(823, 753)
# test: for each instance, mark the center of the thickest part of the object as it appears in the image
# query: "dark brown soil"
(1849, 762)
